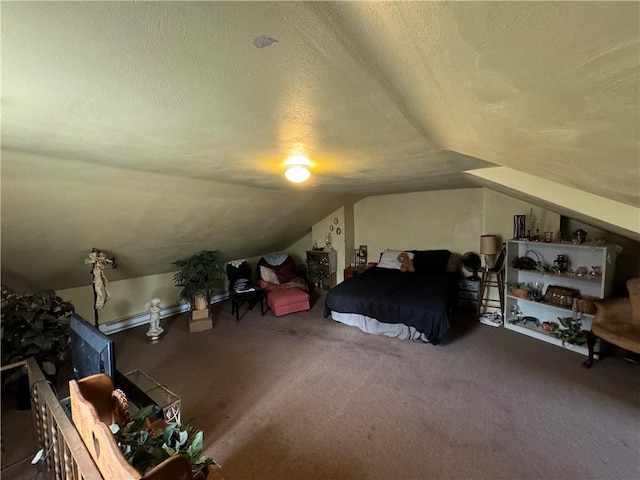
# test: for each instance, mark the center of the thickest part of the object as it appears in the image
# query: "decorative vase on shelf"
(327, 242)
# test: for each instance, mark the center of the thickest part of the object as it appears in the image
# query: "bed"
(407, 305)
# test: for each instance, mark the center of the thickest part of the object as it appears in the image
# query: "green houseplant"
(145, 448)
(198, 277)
(36, 325)
(572, 331)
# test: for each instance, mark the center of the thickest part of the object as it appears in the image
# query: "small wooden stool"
(491, 278)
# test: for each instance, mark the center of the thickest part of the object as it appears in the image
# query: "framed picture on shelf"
(361, 256)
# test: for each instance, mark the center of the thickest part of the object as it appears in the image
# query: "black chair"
(242, 289)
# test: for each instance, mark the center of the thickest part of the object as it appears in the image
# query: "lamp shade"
(488, 245)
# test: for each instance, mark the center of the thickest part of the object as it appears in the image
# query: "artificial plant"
(198, 274)
(36, 325)
(572, 331)
(145, 448)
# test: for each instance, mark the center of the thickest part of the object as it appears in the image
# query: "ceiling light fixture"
(297, 173)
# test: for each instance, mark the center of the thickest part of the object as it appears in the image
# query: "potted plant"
(35, 325)
(146, 445)
(198, 277)
(571, 332)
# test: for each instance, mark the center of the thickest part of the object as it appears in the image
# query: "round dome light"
(297, 173)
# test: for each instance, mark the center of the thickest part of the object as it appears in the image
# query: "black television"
(91, 350)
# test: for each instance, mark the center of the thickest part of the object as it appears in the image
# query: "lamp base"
(489, 261)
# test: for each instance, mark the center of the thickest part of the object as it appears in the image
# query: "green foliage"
(528, 286)
(529, 263)
(572, 331)
(144, 451)
(199, 274)
(524, 263)
(36, 325)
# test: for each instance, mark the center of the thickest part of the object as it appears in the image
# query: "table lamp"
(489, 249)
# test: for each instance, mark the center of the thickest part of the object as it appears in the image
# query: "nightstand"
(351, 271)
(468, 292)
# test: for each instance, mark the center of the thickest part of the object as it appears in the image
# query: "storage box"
(200, 321)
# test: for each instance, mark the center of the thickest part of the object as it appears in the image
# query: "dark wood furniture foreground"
(351, 271)
(242, 289)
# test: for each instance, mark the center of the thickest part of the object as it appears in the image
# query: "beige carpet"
(302, 397)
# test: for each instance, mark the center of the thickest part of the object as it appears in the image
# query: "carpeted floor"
(302, 397)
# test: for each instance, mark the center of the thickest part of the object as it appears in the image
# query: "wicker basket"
(560, 296)
(531, 261)
(586, 305)
(520, 293)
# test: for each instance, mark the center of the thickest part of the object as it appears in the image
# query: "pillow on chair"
(268, 275)
(283, 265)
(286, 272)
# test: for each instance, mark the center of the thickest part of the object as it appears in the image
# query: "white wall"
(449, 219)
(298, 250)
(628, 254)
(498, 211)
(338, 242)
(128, 297)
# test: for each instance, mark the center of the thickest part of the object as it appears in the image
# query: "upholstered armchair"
(287, 291)
(617, 321)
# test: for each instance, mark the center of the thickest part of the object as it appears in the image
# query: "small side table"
(251, 297)
(168, 401)
(351, 271)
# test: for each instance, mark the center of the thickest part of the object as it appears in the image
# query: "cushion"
(288, 300)
(268, 275)
(286, 272)
(389, 259)
(285, 269)
(431, 261)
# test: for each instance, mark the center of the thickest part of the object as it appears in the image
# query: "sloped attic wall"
(54, 211)
(452, 219)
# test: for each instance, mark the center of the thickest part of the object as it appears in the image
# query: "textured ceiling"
(154, 129)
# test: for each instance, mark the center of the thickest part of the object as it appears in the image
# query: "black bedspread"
(420, 300)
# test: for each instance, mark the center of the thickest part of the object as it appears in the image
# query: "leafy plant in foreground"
(145, 448)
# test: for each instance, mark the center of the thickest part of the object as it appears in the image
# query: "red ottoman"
(287, 300)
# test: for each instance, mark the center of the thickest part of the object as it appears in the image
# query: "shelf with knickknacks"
(328, 242)
(552, 300)
(321, 268)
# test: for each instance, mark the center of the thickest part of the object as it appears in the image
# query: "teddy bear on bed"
(406, 263)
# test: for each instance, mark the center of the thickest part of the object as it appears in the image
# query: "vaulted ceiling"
(156, 129)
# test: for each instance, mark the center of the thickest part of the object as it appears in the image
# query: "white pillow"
(268, 275)
(389, 259)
